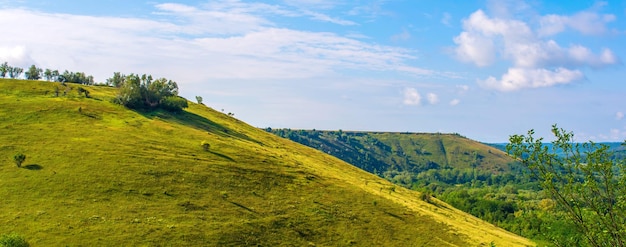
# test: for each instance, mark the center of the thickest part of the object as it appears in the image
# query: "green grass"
(108, 176)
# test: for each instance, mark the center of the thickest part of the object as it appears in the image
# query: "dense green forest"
(477, 178)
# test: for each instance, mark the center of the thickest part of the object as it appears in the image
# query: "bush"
(425, 196)
(83, 91)
(19, 159)
(205, 145)
(174, 103)
(13, 240)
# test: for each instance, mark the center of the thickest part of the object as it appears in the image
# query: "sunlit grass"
(97, 174)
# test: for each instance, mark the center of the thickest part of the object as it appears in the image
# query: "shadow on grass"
(242, 206)
(195, 121)
(33, 167)
(222, 155)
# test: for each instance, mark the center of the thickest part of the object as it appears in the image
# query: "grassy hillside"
(97, 174)
(378, 152)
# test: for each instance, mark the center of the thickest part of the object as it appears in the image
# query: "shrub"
(13, 240)
(83, 91)
(425, 196)
(205, 145)
(19, 158)
(174, 103)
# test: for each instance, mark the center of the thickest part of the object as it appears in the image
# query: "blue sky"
(484, 69)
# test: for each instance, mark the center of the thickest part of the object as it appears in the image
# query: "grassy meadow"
(98, 174)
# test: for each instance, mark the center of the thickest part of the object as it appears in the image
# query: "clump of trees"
(144, 92)
(35, 73)
(12, 72)
(135, 91)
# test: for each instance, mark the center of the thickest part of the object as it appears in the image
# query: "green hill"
(378, 152)
(98, 174)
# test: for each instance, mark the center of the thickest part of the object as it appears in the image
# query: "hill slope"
(99, 174)
(378, 152)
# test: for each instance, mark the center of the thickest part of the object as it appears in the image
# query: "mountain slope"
(99, 174)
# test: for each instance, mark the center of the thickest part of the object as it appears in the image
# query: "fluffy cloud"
(619, 115)
(520, 78)
(536, 60)
(455, 102)
(412, 97)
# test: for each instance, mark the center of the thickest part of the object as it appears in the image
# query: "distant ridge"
(378, 152)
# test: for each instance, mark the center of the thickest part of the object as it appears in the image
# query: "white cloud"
(15, 56)
(455, 102)
(432, 98)
(485, 40)
(521, 78)
(585, 22)
(619, 115)
(326, 18)
(193, 44)
(475, 49)
(412, 97)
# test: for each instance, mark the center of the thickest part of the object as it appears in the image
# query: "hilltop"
(99, 174)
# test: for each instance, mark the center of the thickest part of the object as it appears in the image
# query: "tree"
(199, 99)
(47, 74)
(33, 73)
(129, 93)
(55, 75)
(19, 158)
(583, 180)
(75, 77)
(117, 80)
(15, 72)
(4, 69)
